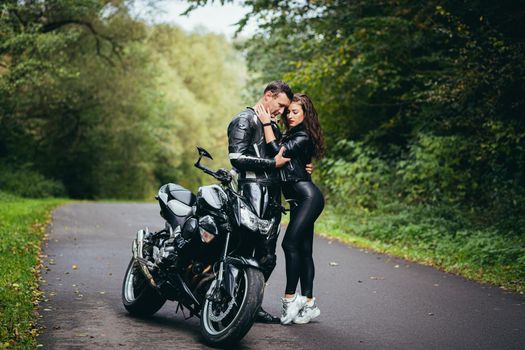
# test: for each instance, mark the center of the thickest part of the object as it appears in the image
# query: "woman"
(302, 141)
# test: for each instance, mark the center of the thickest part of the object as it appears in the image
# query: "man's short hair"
(278, 86)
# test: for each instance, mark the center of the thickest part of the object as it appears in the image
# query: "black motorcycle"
(202, 259)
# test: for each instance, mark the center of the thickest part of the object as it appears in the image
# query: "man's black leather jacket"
(247, 149)
(299, 147)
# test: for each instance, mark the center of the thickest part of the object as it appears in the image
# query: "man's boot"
(264, 317)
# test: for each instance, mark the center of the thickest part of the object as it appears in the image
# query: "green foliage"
(358, 179)
(430, 171)
(106, 104)
(28, 183)
(22, 226)
(434, 89)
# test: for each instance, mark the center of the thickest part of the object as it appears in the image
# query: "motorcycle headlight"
(249, 219)
(253, 223)
(206, 237)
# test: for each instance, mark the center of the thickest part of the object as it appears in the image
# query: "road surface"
(367, 300)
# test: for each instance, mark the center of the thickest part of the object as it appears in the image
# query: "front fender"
(241, 261)
(232, 265)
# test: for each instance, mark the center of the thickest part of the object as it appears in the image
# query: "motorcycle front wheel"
(138, 296)
(226, 323)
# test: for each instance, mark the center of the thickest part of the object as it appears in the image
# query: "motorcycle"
(203, 258)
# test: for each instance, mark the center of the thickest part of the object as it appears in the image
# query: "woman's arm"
(271, 141)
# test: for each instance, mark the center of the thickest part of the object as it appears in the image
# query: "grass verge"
(22, 227)
(435, 237)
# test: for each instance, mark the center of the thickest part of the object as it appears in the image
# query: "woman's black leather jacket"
(299, 147)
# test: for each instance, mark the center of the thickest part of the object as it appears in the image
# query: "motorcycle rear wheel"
(138, 296)
(239, 316)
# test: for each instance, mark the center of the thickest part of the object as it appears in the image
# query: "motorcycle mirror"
(204, 153)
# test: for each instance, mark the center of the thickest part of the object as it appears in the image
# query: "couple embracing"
(269, 162)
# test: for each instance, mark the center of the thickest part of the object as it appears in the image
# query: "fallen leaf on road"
(376, 278)
(74, 267)
(396, 267)
(430, 314)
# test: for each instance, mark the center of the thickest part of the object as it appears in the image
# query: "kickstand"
(181, 308)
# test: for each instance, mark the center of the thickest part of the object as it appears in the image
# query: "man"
(258, 179)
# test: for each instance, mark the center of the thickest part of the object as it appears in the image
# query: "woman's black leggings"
(299, 236)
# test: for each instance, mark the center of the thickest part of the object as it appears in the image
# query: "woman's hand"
(262, 113)
(309, 168)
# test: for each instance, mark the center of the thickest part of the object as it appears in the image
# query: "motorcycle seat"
(179, 209)
(181, 194)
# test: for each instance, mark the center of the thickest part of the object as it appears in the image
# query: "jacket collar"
(293, 130)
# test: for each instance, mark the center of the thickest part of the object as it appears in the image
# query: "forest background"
(422, 105)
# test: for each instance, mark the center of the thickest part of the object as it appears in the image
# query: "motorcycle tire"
(248, 299)
(138, 296)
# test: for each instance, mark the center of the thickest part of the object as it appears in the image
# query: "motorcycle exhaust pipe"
(136, 249)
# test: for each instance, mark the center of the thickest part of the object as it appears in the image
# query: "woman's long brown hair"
(311, 123)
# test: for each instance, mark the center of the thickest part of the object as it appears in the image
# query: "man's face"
(276, 103)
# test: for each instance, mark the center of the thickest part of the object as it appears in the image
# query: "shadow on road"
(176, 323)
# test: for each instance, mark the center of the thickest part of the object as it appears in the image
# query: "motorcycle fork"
(223, 259)
(215, 292)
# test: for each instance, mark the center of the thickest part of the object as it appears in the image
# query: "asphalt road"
(367, 300)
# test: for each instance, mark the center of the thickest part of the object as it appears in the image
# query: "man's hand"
(309, 168)
(264, 115)
(280, 161)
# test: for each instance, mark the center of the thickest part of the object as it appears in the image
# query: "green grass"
(432, 236)
(22, 227)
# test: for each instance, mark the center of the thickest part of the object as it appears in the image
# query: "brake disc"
(221, 315)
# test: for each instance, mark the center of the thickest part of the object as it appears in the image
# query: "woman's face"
(295, 114)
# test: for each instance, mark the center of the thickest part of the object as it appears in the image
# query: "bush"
(360, 178)
(30, 184)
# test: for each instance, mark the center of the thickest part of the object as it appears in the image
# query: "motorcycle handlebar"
(222, 175)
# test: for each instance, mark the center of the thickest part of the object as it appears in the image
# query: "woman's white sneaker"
(307, 313)
(291, 307)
